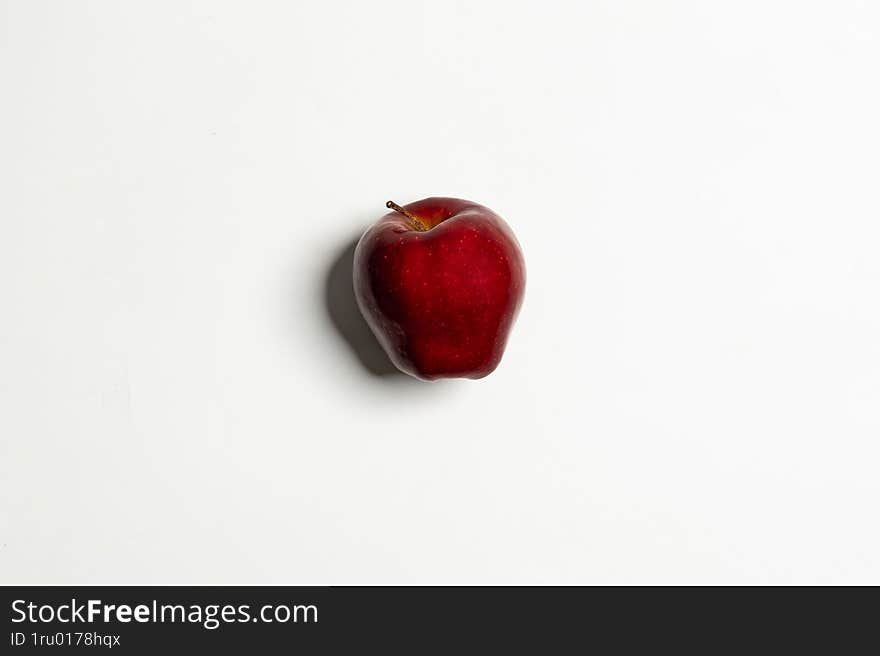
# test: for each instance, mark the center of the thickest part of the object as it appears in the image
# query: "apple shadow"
(347, 319)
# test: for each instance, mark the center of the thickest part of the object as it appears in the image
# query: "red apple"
(440, 282)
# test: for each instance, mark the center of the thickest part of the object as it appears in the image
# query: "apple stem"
(418, 224)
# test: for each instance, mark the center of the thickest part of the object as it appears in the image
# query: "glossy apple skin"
(441, 301)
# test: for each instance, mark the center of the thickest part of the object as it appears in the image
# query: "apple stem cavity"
(417, 223)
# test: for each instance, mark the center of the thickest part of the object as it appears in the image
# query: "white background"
(691, 394)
